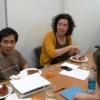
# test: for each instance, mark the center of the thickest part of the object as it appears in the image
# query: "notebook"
(69, 93)
(30, 84)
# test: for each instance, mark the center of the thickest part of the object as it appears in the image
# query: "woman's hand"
(74, 50)
(78, 96)
(84, 96)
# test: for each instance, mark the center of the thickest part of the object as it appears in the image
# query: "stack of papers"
(29, 84)
(76, 72)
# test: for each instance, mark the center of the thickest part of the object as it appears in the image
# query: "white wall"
(2, 14)
(31, 19)
(86, 14)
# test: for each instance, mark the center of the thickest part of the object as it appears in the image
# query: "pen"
(59, 90)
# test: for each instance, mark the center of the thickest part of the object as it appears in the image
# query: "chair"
(37, 52)
(97, 46)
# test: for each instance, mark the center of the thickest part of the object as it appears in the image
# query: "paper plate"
(25, 73)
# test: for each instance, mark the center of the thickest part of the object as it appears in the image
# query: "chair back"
(97, 46)
(37, 52)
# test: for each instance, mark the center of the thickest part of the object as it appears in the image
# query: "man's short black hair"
(7, 32)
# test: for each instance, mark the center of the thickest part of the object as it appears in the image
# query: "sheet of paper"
(73, 66)
(15, 97)
(12, 97)
(25, 99)
(29, 83)
(76, 73)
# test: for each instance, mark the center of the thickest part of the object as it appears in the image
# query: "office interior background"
(32, 20)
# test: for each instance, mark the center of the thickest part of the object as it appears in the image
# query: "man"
(11, 61)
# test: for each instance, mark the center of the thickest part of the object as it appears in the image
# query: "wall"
(31, 19)
(86, 14)
(2, 14)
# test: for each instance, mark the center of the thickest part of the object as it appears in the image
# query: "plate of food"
(30, 71)
(5, 91)
(25, 72)
(79, 58)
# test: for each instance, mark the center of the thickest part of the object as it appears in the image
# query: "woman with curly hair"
(57, 44)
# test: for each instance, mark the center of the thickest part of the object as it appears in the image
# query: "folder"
(69, 93)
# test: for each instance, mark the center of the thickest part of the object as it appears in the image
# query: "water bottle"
(92, 81)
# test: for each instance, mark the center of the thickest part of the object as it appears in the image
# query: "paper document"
(15, 97)
(29, 83)
(12, 97)
(76, 73)
(73, 66)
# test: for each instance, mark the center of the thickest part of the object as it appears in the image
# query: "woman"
(57, 44)
(87, 96)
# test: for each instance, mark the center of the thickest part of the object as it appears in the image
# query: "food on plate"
(81, 58)
(31, 71)
(3, 90)
(74, 58)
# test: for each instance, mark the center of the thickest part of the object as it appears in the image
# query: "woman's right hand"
(73, 50)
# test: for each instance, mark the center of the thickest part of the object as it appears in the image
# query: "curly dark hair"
(96, 56)
(7, 32)
(71, 23)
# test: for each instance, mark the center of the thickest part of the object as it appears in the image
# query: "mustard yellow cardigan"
(48, 48)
